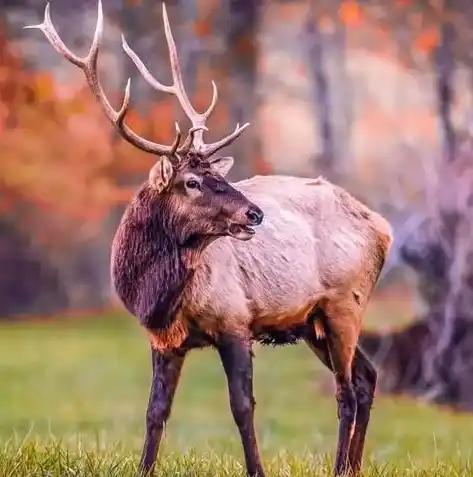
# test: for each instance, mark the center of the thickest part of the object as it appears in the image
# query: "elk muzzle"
(242, 228)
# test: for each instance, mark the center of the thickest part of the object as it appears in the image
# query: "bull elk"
(183, 263)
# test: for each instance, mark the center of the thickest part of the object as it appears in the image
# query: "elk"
(188, 263)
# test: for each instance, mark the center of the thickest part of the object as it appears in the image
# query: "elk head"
(188, 177)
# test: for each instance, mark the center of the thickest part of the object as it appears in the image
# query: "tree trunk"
(444, 68)
(241, 60)
(341, 99)
(321, 92)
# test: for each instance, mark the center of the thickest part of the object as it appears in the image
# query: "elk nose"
(254, 215)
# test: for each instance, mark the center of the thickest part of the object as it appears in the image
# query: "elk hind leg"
(342, 326)
(364, 378)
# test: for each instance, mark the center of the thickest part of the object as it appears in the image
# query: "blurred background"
(375, 95)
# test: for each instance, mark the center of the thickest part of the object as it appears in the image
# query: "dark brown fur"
(149, 267)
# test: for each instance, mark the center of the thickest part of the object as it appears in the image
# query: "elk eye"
(192, 184)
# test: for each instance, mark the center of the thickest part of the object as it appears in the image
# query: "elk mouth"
(240, 231)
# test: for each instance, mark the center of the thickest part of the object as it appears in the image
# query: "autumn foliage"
(59, 153)
(49, 151)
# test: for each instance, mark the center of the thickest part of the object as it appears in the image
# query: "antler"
(198, 120)
(88, 65)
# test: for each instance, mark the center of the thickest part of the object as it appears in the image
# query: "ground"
(73, 396)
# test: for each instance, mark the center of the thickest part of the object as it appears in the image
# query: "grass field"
(73, 397)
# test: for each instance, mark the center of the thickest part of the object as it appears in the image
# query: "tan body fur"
(318, 246)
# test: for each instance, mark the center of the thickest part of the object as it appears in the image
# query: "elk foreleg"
(166, 373)
(237, 360)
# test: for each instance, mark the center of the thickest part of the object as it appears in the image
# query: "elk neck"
(151, 260)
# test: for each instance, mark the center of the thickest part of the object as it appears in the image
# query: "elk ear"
(221, 165)
(160, 175)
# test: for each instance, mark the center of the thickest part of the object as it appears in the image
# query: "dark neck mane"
(150, 267)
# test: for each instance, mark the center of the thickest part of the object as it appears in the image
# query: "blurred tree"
(432, 357)
(28, 282)
(325, 37)
(342, 98)
(321, 94)
(444, 61)
(241, 66)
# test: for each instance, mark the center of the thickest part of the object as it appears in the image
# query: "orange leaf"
(350, 13)
(43, 84)
(201, 28)
(427, 40)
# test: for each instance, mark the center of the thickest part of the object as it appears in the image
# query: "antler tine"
(149, 78)
(213, 102)
(51, 34)
(176, 142)
(209, 149)
(198, 120)
(88, 65)
(178, 86)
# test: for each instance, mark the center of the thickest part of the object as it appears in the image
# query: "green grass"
(73, 398)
